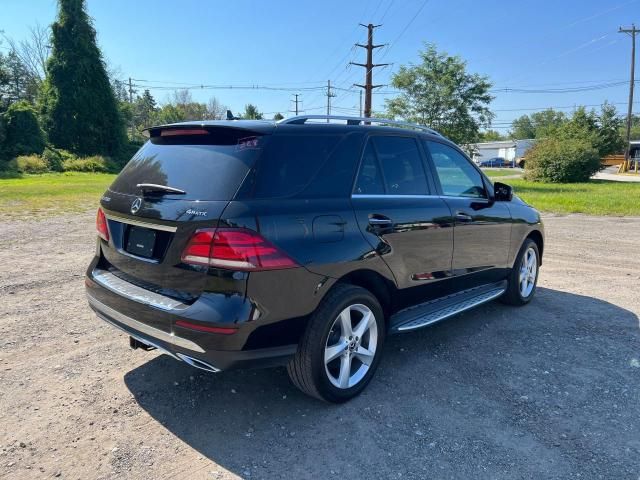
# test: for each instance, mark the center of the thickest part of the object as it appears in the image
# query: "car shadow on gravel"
(547, 390)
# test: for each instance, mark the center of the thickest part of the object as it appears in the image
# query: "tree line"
(59, 101)
(62, 108)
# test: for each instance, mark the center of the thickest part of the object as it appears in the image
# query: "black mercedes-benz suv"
(303, 243)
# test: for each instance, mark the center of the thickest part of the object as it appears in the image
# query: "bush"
(30, 164)
(3, 134)
(95, 163)
(23, 133)
(54, 159)
(554, 160)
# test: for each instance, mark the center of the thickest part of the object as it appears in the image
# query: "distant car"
(495, 162)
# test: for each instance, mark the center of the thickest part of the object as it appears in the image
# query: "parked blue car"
(495, 162)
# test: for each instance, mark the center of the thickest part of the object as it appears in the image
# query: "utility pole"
(360, 103)
(369, 86)
(130, 91)
(296, 102)
(330, 94)
(131, 126)
(631, 32)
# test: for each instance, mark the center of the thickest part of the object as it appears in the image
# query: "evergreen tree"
(251, 112)
(78, 106)
(145, 108)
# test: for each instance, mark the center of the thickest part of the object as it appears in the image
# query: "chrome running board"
(440, 309)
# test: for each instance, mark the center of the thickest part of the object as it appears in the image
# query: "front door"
(399, 214)
(482, 230)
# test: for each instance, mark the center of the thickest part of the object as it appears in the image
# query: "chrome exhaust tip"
(194, 362)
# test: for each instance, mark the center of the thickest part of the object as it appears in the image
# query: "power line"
(406, 27)
(386, 11)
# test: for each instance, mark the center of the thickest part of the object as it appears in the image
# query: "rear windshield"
(207, 167)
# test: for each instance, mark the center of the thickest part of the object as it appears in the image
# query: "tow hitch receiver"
(134, 343)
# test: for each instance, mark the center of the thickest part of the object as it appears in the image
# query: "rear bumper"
(153, 324)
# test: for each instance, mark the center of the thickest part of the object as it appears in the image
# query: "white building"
(510, 150)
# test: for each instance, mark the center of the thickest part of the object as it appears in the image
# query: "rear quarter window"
(291, 161)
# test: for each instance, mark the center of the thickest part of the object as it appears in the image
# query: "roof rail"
(302, 119)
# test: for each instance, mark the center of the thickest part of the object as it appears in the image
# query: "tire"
(516, 293)
(326, 336)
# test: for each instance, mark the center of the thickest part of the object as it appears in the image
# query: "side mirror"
(502, 192)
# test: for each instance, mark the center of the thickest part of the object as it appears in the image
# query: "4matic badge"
(197, 213)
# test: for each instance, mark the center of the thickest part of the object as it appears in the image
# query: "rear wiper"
(152, 187)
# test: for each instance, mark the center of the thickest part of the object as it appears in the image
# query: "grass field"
(501, 172)
(598, 197)
(50, 194)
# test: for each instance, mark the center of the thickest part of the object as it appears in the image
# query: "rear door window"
(206, 167)
(393, 166)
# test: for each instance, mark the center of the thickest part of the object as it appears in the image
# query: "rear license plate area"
(141, 241)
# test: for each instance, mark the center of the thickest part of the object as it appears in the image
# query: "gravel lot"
(551, 390)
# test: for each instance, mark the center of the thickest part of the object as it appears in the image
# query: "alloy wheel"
(351, 346)
(528, 272)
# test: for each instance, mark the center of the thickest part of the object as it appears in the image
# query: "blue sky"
(301, 44)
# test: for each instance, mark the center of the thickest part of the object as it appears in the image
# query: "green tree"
(144, 110)
(16, 81)
(251, 112)
(491, 136)
(168, 113)
(522, 127)
(538, 125)
(23, 134)
(278, 116)
(635, 128)
(78, 106)
(609, 139)
(440, 93)
(601, 131)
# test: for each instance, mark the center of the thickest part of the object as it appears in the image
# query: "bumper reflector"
(205, 328)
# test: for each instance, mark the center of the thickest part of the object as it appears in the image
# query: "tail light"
(101, 225)
(235, 249)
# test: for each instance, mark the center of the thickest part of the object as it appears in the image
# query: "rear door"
(398, 213)
(482, 229)
(149, 227)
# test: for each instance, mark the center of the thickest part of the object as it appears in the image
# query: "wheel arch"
(537, 237)
(375, 283)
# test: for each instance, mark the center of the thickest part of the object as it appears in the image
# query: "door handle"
(380, 221)
(463, 217)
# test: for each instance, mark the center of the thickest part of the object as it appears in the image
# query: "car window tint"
(290, 162)
(402, 165)
(457, 176)
(369, 180)
(391, 165)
